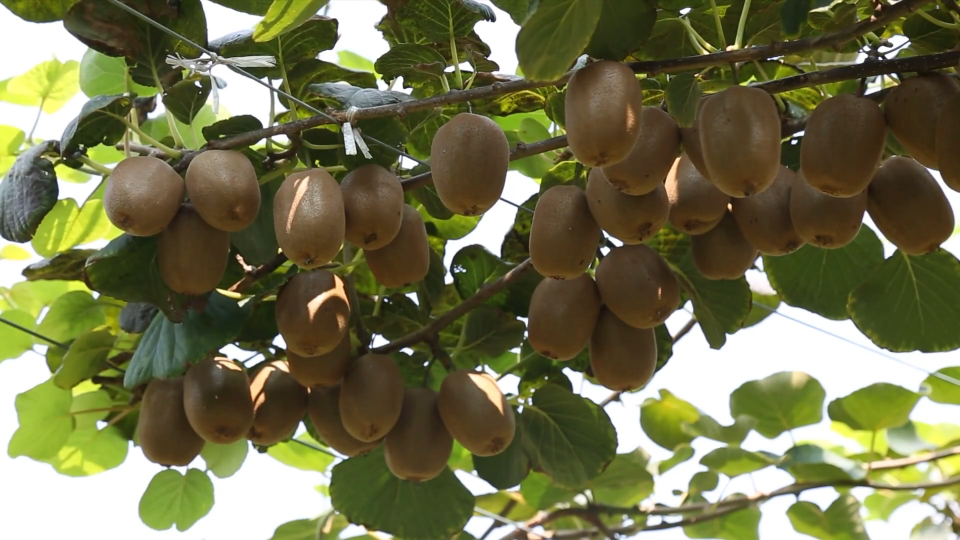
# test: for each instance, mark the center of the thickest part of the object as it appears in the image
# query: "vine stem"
(716, 21)
(742, 25)
(100, 169)
(171, 152)
(455, 58)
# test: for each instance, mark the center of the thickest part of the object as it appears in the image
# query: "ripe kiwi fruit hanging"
(324, 411)
(371, 396)
(723, 252)
(372, 205)
(476, 413)
(638, 286)
(622, 357)
(308, 218)
(192, 254)
(823, 220)
(313, 312)
(696, 205)
(740, 140)
(948, 143)
(563, 235)
(912, 110)
(166, 437)
(842, 145)
(142, 196)
(648, 163)
(279, 404)
(690, 142)
(603, 113)
(632, 219)
(324, 370)
(216, 398)
(406, 259)
(469, 157)
(909, 206)
(561, 316)
(764, 218)
(223, 188)
(418, 447)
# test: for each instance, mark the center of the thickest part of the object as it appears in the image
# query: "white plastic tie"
(352, 137)
(204, 66)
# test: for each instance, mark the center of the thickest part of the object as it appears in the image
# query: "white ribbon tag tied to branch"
(352, 138)
(203, 67)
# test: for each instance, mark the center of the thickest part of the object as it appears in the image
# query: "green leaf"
(734, 434)
(398, 507)
(878, 406)
(45, 422)
(841, 521)
(473, 267)
(734, 461)
(794, 16)
(258, 241)
(67, 225)
(100, 122)
(172, 499)
(780, 402)
(167, 347)
(38, 11)
(224, 460)
(14, 342)
(812, 463)
(516, 243)
(569, 437)
(302, 43)
(84, 358)
(102, 75)
(911, 303)
(928, 530)
(71, 315)
(555, 35)
(284, 16)
(90, 451)
(299, 455)
(28, 191)
(253, 7)
(192, 134)
(882, 503)
(837, 273)
(519, 10)
(411, 61)
(489, 332)
(439, 20)
(542, 493)
(942, 391)
(905, 440)
(185, 99)
(662, 419)
(768, 304)
(625, 482)
(622, 28)
(50, 85)
(352, 60)
(62, 266)
(235, 125)
(703, 482)
(927, 37)
(683, 96)
(681, 453)
(11, 139)
(742, 525)
(508, 468)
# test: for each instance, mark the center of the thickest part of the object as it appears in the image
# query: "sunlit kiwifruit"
(406, 259)
(469, 157)
(476, 413)
(373, 206)
(142, 195)
(223, 187)
(324, 411)
(561, 316)
(324, 370)
(638, 286)
(216, 398)
(696, 205)
(313, 312)
(371, 396)
(418, 447)
(764, 218)
(632, 219)
(308, 218)
(647, 164)
(602, 113)
(912, 110)
(563, 235)
(279, 404)
(166, 437)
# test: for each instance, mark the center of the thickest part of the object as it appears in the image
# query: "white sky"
(36, 502)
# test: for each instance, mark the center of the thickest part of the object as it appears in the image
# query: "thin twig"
(258, 273)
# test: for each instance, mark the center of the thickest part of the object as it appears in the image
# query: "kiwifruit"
(313, 312)
(308, 218)
(690, 142)
(909, 206)
(912, 110)
(622, 357)
(371, 396)
(603, 113)
(647, 164)
(166, 437)
(696, 205)
(324, 370)
(223, 187)
(324, 411)
(469, 157)
(948, 143)
(476, 412)
(192, 254)
(842, 145)
(638, 286)
(216, 398)
(764, 218)
(723, 252)
(561, 316)
(563, 235)
(279, 404)
(372, 205)
(823, 220)
(406, 259)
(418, 447)
(142, 195)
(632, 219)
(740, 140)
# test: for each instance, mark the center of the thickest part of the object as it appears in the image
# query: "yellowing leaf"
(50, 84)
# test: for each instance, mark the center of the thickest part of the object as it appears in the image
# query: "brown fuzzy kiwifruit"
(563, 235)
(223, 187)
(622, 357)
(723, 252)
(406, 259)
(912, 110)
(740, 140)
(696, 205)
(603, 113)
(948, 143)
(142, 195)
(372, 206)
(842, 145)
(647, 164)
(909, 206)
(476, 412)
(371, 396)
(690, 142)
(216, 398)
(764, 218)
(469, 157)
(418, 447)
(166, 437)
(313, 312)
(279, 404)
(823, 220)
(632, 219)
(308, 218)
(324, 370)
(638, 286)
(561, 316)
(324, 411)
(192, 254)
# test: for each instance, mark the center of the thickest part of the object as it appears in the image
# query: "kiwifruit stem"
(716, 20)
(455, 58)
(742, 24)
(101, 169)
(171, 152)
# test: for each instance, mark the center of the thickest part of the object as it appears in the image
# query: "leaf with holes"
(878, 406)
(27, 193)
(177, 499)
(100, 122)
(780, 402)
(555, 35)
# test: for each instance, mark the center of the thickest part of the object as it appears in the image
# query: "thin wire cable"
(250, 76)
(521, 207)
(32, 333)
(497, 517)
